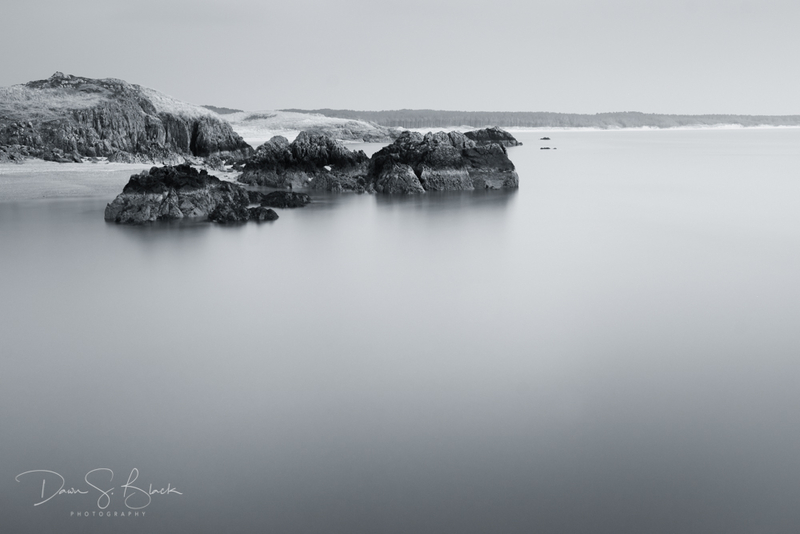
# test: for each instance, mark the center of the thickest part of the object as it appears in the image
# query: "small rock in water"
(260, 213)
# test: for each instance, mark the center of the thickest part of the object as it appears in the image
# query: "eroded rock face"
(442, 162)
(311, 161)
(487, 136)
(83, 117)
(164, 193)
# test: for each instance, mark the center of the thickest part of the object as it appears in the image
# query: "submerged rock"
(164, 193)
(441, 162)
(313, 161)
(487, 136)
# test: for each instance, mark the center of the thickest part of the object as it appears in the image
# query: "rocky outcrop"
(441, 162)
(165, 193)
(83, 117)
(493, 135)
(311, 161)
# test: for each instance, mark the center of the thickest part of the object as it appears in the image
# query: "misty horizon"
(577, 56)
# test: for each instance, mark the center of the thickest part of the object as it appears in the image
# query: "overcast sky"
(583, 56)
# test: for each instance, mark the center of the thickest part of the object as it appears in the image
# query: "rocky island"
(313, 161)
(66, 118)
(440, 162)
(169, 193)
(413, 163)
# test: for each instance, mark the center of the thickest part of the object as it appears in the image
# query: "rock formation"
(164, 193)
(440, 161)
(312, 161)
(398, 179)
(487, 136)
(279, 199)
(65, 118)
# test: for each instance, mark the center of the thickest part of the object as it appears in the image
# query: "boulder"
(493, 135)
(260, 214)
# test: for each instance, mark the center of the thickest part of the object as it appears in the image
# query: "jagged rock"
(178, 192)
(446, 161)
(312, 161)
(399, 179)
(110, 118)
(260, 213)
(487, 136)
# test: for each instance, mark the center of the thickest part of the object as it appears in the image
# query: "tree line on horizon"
(430, 118)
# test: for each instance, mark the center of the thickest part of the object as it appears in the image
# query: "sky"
(572, 56)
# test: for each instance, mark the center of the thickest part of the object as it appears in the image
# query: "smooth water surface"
(611, 348)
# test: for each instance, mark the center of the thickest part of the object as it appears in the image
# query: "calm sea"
(613, 348)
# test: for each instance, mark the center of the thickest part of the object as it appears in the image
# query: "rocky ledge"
(67, 118)
(168, 193)
(313, 161)
(487, 136)
(439, 162)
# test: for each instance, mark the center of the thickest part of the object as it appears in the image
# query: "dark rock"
(441, 161)
(399, 179)
(544, 139)
(229, 213)
(111, 118)
(255, 197)
(491, 135)
(285, 199)
(260, 213)
(312, 161)
(178, 192)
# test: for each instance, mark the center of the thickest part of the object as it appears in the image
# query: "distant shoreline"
(543, 129)
(428, 118)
